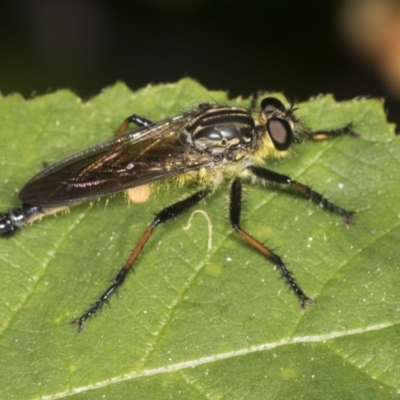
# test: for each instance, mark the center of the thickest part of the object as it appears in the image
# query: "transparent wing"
(136, 158)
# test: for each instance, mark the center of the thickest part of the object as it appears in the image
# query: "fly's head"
(277, 127)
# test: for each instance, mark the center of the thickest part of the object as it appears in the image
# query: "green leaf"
(189, 323)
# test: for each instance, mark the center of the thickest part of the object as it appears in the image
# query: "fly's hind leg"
(164, 215)
(138, 194)
(133, 119)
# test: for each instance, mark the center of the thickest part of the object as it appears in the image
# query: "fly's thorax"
(225, 132)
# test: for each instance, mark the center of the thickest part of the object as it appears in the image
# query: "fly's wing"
(137, 158)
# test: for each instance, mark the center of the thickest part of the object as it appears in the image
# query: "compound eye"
(271, 104)
(280, 132)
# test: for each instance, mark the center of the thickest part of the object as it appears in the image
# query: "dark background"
(294, 46)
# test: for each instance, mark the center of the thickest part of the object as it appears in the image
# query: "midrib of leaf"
(184, 365)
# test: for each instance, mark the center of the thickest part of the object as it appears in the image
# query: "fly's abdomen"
(12, 220)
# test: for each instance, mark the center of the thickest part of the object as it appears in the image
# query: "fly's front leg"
(317, 135)
(271, 176)
(164, 215)
(234, 214)
(346, 130)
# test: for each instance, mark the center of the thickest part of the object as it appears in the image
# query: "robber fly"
(208, 144)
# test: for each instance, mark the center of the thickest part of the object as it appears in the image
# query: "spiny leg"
(133, 119)
(138, 194)
(346, 130)
(164, 215)
(234, 214)
(271, 176)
